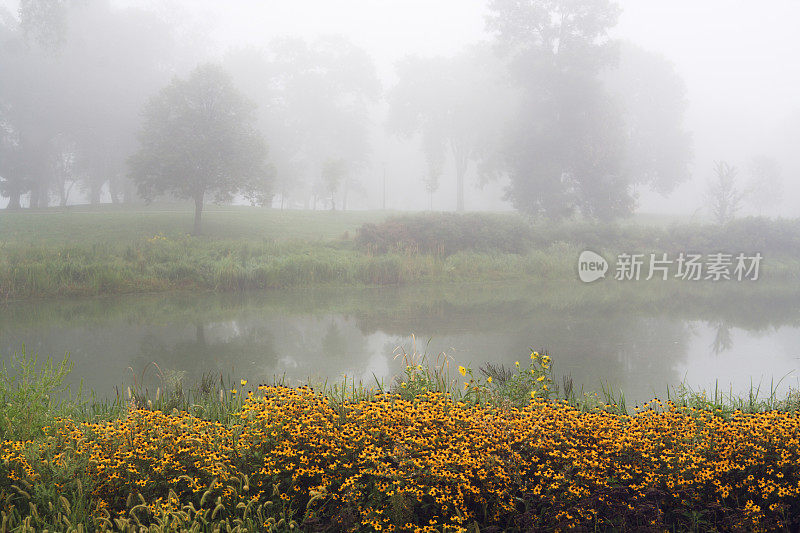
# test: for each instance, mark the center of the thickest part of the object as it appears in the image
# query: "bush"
(446, 234)
(29, 393)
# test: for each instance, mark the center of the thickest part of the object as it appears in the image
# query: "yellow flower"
(540, 378)
(403, 384)
(489, 379)
(419, 367)
(233, 391)
(462, 370)
(534, 355)
(516, 363)
(243, 382)
(533, 394)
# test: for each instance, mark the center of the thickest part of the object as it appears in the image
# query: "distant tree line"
(108, 102)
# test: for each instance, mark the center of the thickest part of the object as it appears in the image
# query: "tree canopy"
(75, 77)
(584, 133)
(456, 105)
(199, 139)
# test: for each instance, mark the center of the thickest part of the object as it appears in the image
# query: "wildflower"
(462, 370)
(540, 378)
(403, 384)
(243, 382)
(516, 363)
(489, 379)
(533, 394)
(233, 391)
(419, 367)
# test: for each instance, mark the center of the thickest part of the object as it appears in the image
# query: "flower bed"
(295, 460)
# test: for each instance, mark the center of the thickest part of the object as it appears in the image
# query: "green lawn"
(113, 224)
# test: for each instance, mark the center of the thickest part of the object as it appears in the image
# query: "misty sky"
(739, 59)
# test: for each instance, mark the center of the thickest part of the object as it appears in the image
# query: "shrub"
(446, 234)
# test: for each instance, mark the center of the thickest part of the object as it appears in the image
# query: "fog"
(702, 83)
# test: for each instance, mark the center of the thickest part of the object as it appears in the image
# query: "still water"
(632, 338)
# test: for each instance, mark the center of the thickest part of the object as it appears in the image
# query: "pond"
(636, 338)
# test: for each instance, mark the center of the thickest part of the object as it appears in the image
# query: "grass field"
(113, 224)
(110, 249)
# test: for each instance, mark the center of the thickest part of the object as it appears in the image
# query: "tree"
(31, 115)
(112, 60)
(652, 99)
(334, 172)
(45, 21)
(434, 156)
(198, 139)
(723, 198)
(76, 75)
(565, 149)
(314, 105)
(456, 104)
(764, 188)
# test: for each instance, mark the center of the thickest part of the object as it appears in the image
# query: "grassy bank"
(128, 250)
(438, 450)
(162, 263)
(117, 250)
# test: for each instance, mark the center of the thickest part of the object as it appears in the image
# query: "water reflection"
(620, 337)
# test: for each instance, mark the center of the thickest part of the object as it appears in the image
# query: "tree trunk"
(198, 211)
(461, 170)
(38, 197)
(94, 193)
(114, 188)
(462, 162)
(33, 201)
(13, 200)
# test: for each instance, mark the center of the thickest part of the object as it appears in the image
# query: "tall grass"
(65, 253)
(160, 264)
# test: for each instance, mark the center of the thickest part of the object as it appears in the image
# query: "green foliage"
(199, 138)
(135, 256)
(586, 128)
(446, 233)
(59, 494)
(520, 385)
(30, 392)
